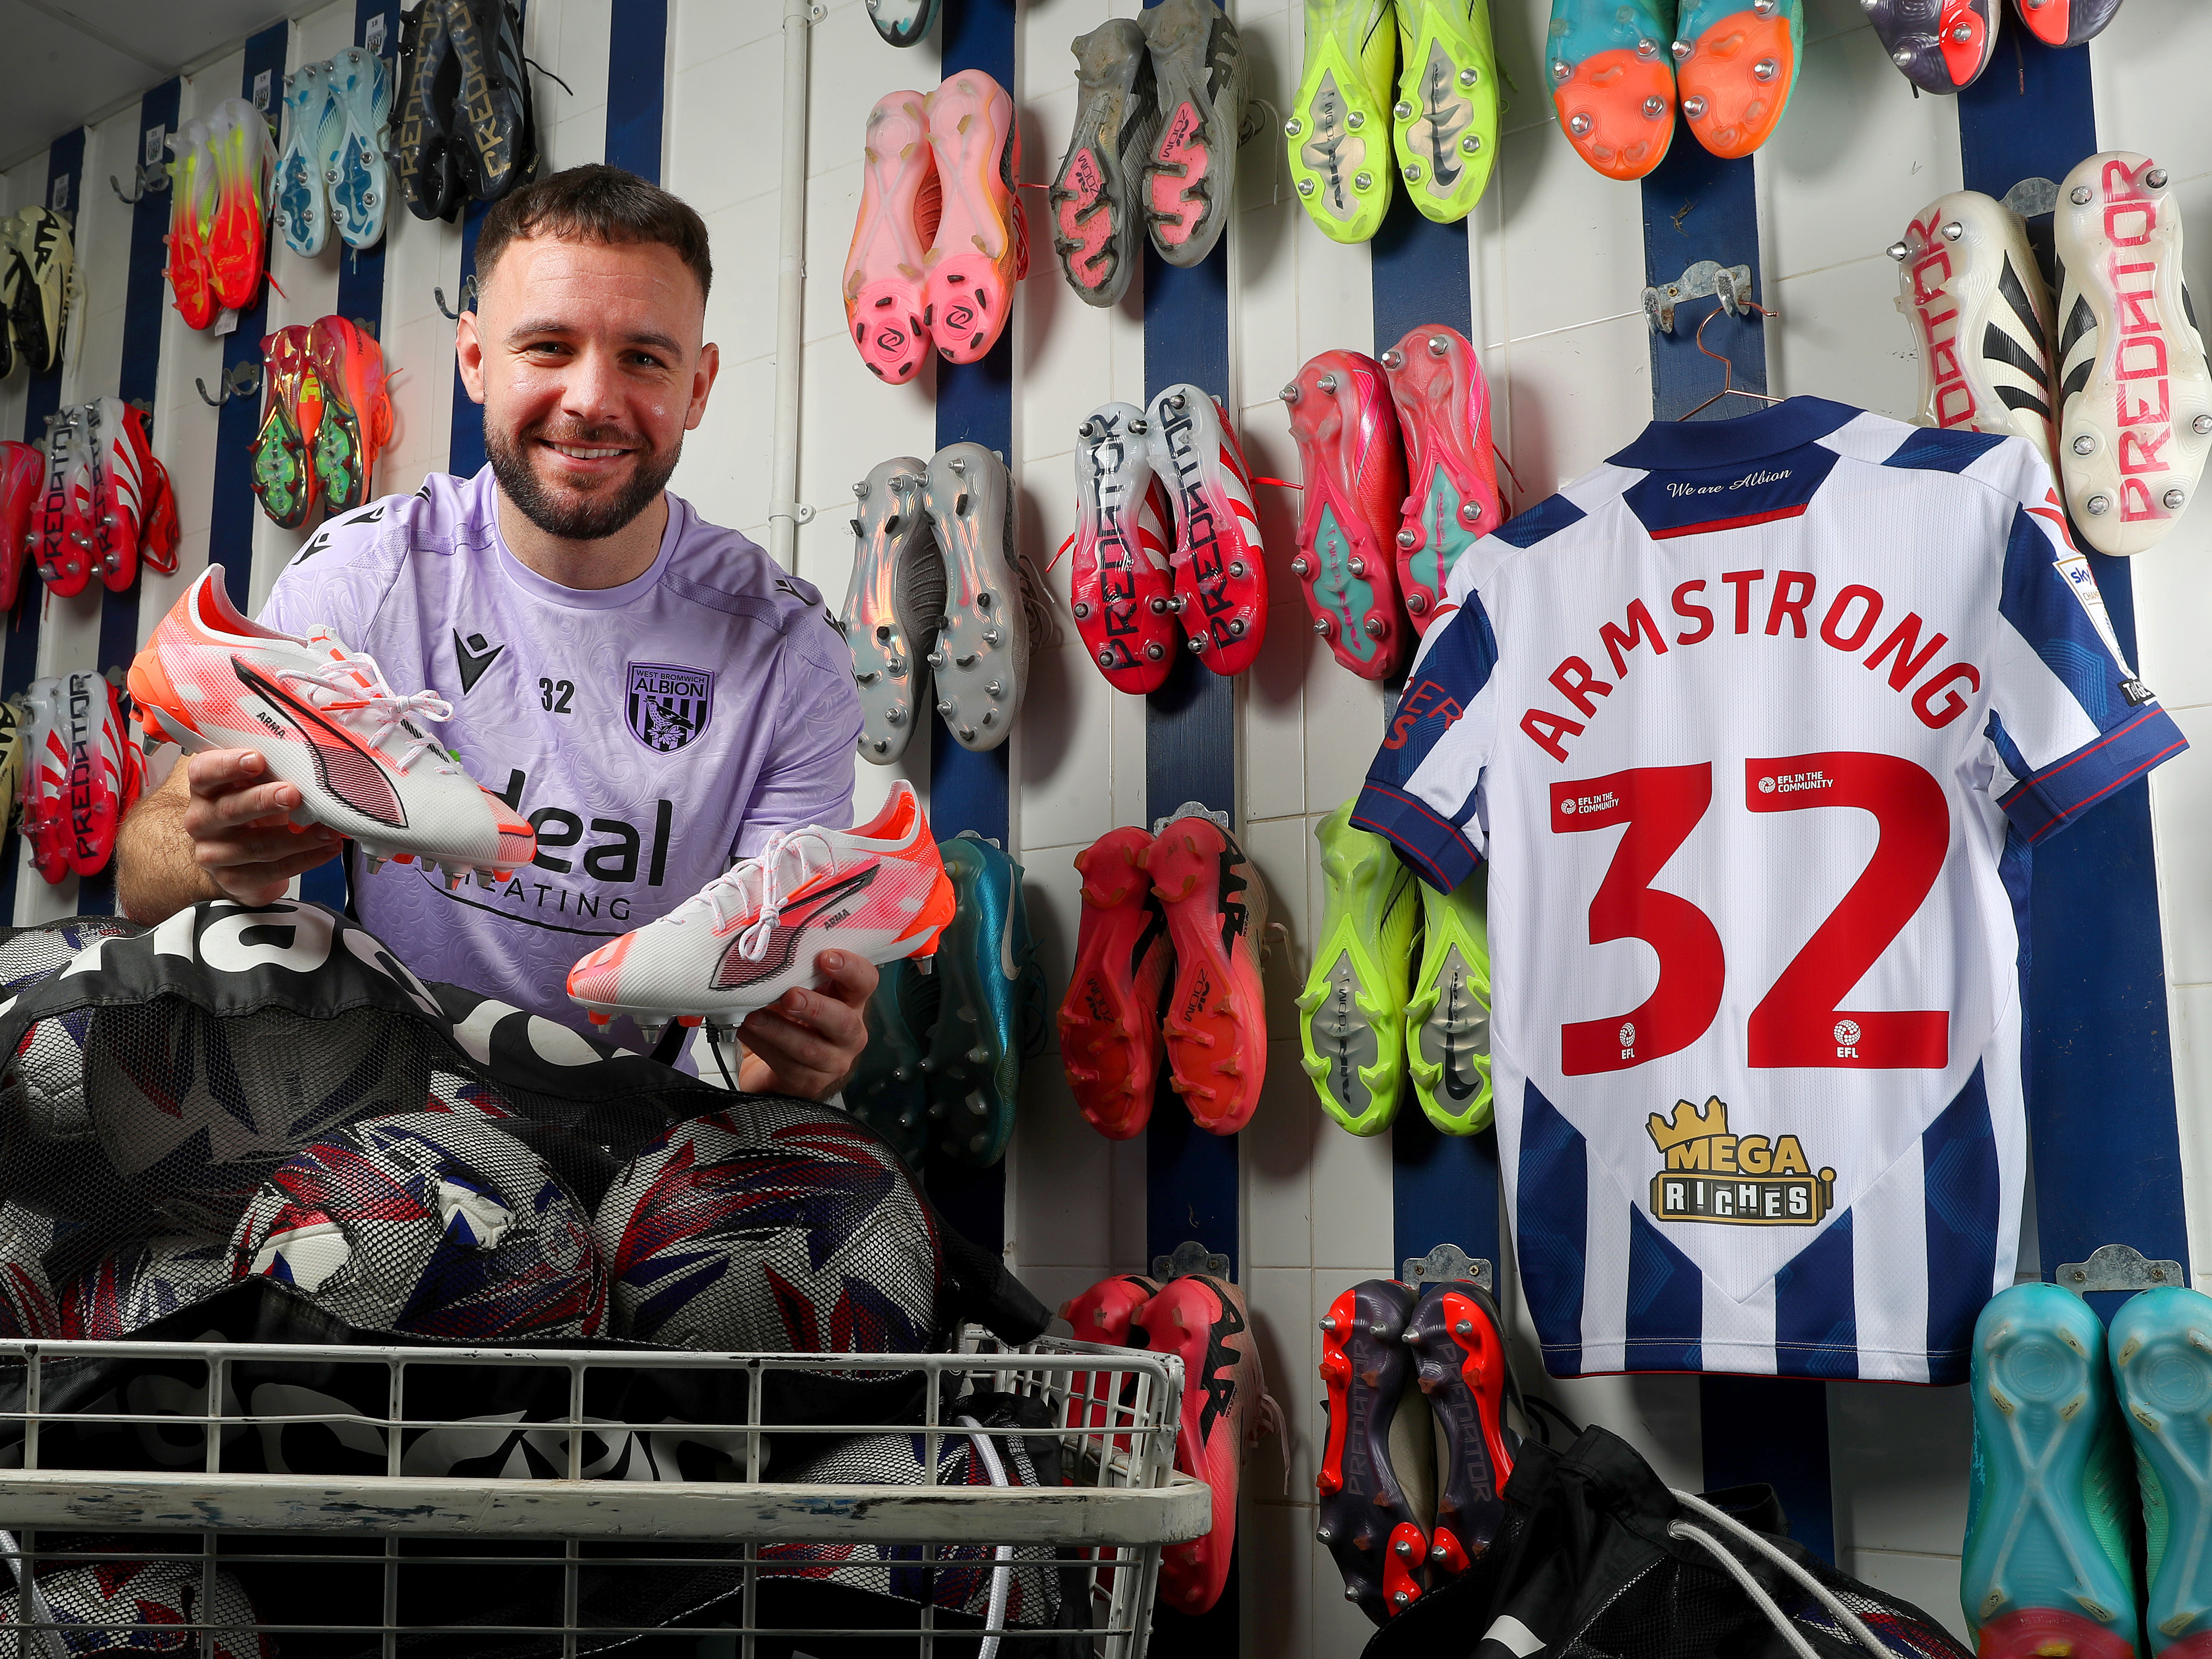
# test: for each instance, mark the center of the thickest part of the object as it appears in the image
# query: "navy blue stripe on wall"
(230, 521)
(976, 404)
(1445, 1188)
(637, 82)
(2100, 1062)
(1696, 206)
(145, 298)
(64, 189)
(361, 270)
(1190, 755)
(361, 301)
(465, 456)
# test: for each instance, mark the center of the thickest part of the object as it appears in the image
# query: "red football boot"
(1459, 1350)
(1120, 586)
(1217, 1021)
(1443, 414)
(1355, 486)
(62, 533)
(1201, 1320)
(1109, 1020)
(1102, 1314)
(122, 485)
(1220, 568)
(22, 479)
(157, 548)
(1376, 1467)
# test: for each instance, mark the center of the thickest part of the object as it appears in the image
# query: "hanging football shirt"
(651, 732)
(1756, 723)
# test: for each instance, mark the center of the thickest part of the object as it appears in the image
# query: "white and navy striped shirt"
(1757, 722)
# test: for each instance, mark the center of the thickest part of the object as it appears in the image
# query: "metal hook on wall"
(467, 297)
(241, 381)
(151, 179)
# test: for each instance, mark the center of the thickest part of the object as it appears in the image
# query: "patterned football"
(438, 1223)
(146, 1606)
(27, 1299)
(773, 1228)
(129, 1289)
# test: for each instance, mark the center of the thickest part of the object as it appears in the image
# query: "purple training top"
(651, 733)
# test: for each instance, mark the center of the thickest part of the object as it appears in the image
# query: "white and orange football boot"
(322, 716)
(754, 931)
(1220, 568)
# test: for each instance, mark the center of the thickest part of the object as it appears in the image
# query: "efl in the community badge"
(669, 706)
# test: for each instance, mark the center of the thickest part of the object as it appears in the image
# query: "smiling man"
(652, 691)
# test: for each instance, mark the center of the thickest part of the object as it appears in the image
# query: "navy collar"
(1693, 446)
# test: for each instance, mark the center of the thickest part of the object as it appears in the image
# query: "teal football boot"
(991, 1011)
(2046, 1568)
(2161, 1347)
(886, 1091)
(1612, 82)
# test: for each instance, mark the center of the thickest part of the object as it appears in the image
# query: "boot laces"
(792, 859)
(351, 684)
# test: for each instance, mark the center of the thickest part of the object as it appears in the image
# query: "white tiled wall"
(1557, 263)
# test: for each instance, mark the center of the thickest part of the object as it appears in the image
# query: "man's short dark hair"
(596, 202)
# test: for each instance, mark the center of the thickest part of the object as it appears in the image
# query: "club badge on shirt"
(669, 705)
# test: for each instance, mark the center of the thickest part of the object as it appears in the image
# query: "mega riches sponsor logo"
(1747, 1180)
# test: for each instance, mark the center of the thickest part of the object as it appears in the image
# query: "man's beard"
(573, 518)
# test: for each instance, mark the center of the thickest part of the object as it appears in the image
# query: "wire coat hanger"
(1728, 380)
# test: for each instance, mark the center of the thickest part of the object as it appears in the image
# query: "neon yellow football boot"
(1352, 1015)
(1443, 127)
(1339, 130)
(1447, 1020)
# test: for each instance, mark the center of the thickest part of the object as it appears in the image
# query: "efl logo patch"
(1713, 1175)
(668, 705)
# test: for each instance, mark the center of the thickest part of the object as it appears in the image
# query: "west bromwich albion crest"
(668, 705)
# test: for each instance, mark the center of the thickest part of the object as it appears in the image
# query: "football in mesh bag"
(137, 1608)
(438, 1223)
(775, 1229)
(128, 1289)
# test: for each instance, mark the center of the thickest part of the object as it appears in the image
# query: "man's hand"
(806, 1043)
(241, 835)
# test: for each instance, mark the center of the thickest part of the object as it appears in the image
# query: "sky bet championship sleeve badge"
(669, 706)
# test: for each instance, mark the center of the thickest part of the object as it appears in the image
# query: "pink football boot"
(900, 206)
(1355, 486)
(1443, 413)
(982, 243)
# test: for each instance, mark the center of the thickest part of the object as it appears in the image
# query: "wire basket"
(576, 1533)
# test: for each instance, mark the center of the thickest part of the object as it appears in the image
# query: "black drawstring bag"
(1599, 1559)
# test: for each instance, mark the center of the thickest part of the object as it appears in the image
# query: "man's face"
(587, 359)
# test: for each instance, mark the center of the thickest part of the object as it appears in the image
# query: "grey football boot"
(1201, 78)
(982, 655)
(897, 594)
(1097, 201)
